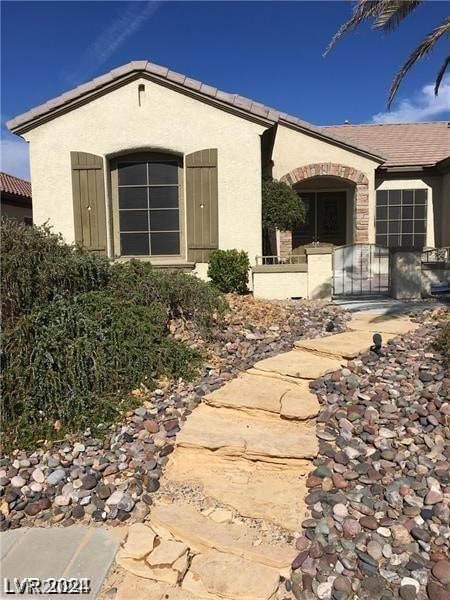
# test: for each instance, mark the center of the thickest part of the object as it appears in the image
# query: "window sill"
(160, 262)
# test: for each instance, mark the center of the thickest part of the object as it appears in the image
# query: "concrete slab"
(387, 305)
(230, 433)
(9, 538)
(56, 553)
(256, 393)
(346, 345)
(300, 364)
(93, 558)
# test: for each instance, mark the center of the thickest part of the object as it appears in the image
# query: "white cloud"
(117, 32)
(14, 158)
(423, 106)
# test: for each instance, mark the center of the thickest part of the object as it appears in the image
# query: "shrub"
(228, 270)
(282, 208)
(184, 296)
(442, 343)
(37, 266)
(76, 360)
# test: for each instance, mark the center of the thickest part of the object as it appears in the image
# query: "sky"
(269, 51)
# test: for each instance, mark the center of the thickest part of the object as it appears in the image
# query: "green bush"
(442, 343)
(282, 208)
(228, 270)
(76, 360)
(184, 296)
(37, 267)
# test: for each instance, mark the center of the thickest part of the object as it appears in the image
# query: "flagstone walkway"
(249, 447)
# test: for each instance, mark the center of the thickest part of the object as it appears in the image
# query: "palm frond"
(392, 13)
(362, 12)
(441, 75)
(423, 48)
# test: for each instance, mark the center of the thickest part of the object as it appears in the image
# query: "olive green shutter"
(201, 204)
(89, 201)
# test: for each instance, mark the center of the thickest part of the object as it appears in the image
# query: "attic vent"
(141, 92)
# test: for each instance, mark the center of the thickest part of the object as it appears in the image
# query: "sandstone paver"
(230, 577)
(201, 534)
(274, 492)
(382, 323)
(250, 393)
(346, 345)
(231, 433)
(300, 364)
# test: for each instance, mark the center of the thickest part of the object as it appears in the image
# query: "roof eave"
(68, 101)
(312, 131)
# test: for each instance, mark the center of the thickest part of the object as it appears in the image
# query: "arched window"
(146, 204)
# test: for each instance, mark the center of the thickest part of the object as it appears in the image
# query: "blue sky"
(268, 51)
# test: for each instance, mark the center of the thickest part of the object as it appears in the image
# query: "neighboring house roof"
(123, 74)
(402, 144)
(14, 185)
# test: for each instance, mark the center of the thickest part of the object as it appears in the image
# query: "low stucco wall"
(320, 273)
(312, 280)
(433, 274)
(273, 284)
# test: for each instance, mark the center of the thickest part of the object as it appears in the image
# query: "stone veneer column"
(285, 243)
(361, 213)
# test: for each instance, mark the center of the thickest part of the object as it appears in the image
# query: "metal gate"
(361, 270)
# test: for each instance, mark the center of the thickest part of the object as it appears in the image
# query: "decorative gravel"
(379, 496)
(111, 480)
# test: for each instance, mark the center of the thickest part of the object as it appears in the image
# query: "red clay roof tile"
(13, 185)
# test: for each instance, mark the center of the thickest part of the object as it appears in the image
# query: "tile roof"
(143, 67)
(13, 185)
(402, 144)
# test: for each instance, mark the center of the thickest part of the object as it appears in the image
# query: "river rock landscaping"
(379, 495)
(112, 478)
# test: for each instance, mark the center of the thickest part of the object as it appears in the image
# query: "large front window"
(401, 219)
(149, 212)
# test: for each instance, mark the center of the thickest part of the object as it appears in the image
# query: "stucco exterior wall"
(280, 285)
(293, 149)
(445, 219)
(163, 120)
(433, 185)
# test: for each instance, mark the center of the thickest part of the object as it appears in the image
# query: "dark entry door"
(325, 219)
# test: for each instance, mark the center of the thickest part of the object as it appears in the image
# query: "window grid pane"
(138, 234)
(401, 218)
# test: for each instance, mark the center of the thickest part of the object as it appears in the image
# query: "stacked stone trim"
(285, 243)
(361, 203)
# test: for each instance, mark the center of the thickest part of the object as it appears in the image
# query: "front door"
(325, 219)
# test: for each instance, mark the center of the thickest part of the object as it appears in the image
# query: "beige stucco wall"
(279, 285)
(166, 120)
(320, 274)
(445, 219)
(294, 149)
(434, 204)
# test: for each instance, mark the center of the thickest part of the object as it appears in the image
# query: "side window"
(401, 218)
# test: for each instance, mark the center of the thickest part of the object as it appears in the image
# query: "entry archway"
(348, 174)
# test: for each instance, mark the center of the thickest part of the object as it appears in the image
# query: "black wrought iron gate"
(361, 270)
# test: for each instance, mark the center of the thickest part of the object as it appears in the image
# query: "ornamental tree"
(282, 208)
